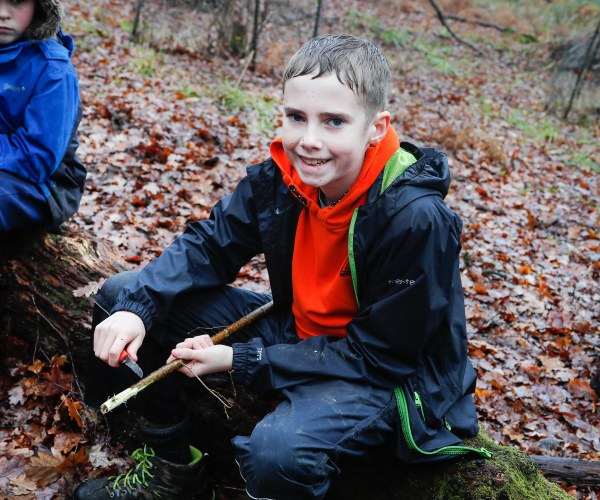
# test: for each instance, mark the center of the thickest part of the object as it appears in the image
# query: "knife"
(126, 358)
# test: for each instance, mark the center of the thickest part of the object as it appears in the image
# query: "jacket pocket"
(423, 443)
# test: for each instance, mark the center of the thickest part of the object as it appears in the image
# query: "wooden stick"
(442, 19)
(163, 371)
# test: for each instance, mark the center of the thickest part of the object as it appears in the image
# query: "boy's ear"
(381, 123)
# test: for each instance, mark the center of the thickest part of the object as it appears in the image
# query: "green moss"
(509, 475)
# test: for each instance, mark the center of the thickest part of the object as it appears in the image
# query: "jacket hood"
(431, 170)
(46, 21)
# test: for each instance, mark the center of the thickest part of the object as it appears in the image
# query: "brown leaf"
(10, 468)
(72, 462)
(42, 469)
(66, 441)
(59, 382)
(74, 408)
(91, 288)
(582, 390)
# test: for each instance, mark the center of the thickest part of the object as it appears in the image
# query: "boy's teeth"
(314, 162)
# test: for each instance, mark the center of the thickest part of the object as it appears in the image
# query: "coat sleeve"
(405, 293)
(209, 253)
(34, 150)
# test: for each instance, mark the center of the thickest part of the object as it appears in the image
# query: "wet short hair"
(356, 62)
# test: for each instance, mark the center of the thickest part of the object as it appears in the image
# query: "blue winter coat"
(410, 331)
(39, 101)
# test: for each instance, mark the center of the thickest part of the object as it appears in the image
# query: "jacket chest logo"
(345, 271)
(14, 88)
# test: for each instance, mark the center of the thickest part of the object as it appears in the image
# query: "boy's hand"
(122, 329)
(202, 357)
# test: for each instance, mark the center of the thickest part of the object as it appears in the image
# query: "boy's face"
(325, 134)
(15, 18)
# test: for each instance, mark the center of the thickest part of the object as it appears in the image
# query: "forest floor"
(166, 133)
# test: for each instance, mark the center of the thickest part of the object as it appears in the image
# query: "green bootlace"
(132, 477)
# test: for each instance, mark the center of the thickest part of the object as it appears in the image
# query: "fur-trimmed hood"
(46, 20)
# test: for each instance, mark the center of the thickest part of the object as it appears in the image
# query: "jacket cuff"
(239, 365)
(135, 308)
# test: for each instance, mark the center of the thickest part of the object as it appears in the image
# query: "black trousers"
(292, 452)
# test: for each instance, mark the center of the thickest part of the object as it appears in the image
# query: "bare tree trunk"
(255, 34)
(318, 18)
(590, 55)
(136, 19)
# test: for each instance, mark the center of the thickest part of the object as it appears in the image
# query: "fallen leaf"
(42, 468)
(92, 288)
(581, 389)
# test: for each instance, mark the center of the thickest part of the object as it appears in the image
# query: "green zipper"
(351, 260)
(446, 450)
(419, 405)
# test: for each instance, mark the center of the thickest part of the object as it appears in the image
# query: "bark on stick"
(135, 389)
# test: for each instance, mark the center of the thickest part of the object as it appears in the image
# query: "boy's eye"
(295, 118)
(336, 122)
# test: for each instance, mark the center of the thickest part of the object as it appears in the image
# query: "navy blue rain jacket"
(410, 330)
(39, 112)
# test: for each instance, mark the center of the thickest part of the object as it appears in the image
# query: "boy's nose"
(310, 141)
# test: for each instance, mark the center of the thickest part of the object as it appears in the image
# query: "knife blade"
(126, 359)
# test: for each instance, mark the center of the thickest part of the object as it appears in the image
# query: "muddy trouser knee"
(292, 452)
(191, 314)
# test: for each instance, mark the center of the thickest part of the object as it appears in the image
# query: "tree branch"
(442, 19)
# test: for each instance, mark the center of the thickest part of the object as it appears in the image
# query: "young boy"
(368, 342)
(41, 179)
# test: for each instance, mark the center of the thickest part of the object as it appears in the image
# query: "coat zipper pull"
(419, 405)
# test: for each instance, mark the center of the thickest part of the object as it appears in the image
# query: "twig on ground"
(246, 64)
(64, 340)
(442, 19)
(477, 21)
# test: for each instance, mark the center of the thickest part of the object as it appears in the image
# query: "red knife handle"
(123, 355)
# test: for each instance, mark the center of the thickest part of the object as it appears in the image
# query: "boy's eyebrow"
(327, 115)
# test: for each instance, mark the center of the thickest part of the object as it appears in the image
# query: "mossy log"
(39, 272)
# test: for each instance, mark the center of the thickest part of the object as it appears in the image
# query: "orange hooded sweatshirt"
(324, 301)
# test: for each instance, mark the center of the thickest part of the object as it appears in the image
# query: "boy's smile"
(325, 134)
(15, 18)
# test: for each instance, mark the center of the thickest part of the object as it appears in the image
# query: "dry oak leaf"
(22, 485)
(551, 363)
(72, 462)
(64, 442)
(47, 493)
(42, 469)
(582, 390)
(91, 288)
(99, 458)
(10, 468)
(74, 408)
(59, 382)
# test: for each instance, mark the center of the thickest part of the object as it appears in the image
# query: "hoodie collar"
(376, 157)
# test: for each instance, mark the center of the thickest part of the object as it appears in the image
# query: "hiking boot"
(152, 479)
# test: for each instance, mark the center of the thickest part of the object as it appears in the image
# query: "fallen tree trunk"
(569, 470)
(39, 273)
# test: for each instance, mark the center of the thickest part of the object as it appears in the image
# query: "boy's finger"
(183, 353)
(133, 347)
